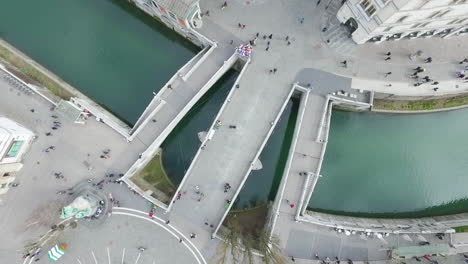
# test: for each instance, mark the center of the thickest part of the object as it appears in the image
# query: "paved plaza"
(312, 59)
(29, 210)
(118, 240)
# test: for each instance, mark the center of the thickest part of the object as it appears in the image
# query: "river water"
(109, 50)
(182, 144)
(384, 165)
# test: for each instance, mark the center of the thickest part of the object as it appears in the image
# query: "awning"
(55, 253)
(419, 251)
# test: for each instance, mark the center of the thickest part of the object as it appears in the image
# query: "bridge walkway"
(171, 103)
(304, 161)
(228, 156)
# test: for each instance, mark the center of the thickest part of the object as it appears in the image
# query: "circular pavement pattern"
(118, 239)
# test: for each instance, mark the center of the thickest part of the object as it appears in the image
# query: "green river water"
(109, 50)
(181, 145)
(395, 165)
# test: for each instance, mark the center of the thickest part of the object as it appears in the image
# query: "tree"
(239, 246)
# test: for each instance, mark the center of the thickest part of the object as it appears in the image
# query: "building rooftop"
(178, 7)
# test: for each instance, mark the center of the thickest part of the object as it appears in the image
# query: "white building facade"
(380, 20)
(14, 142)
(181, 15)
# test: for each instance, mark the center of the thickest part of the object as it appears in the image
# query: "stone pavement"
(31, 208)
(118, 241)
(366, 65)
(306, 157)
(227, 157)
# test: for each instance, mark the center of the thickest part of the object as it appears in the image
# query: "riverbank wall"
(73, 95)
(390, 103)
(370, 226)
(437, 224)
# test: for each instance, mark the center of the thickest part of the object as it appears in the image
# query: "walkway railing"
(303, 203)
(150, 152)
(259, 151)
(210, 130)
(27, 85)
(284, 179)
(145, 116)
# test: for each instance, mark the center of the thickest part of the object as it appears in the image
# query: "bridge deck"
(172, 101)
(305, 158)
(227, 157)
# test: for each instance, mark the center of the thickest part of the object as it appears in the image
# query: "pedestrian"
(268, 43)
(48, 134)
(271, 36)
(302, 20)
(167, 222)
(264, 37)
(388, 73)
(345, 63)
(388, 58)
(243, 26)
(192, 235)
(435, 89)
(32, 110)
(267, 48)
(274, 70)
(180, 240)
(224, 5)
(316, 256)
(270, 72)
(289, 43)
(428, 60)
(240, 25)
(388, 54)
(231, 42)
(292, 205)
(318, 2)
(256, 35)
(179, 195)
(292, 259)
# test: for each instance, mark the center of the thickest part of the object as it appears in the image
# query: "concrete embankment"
(53, 87)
